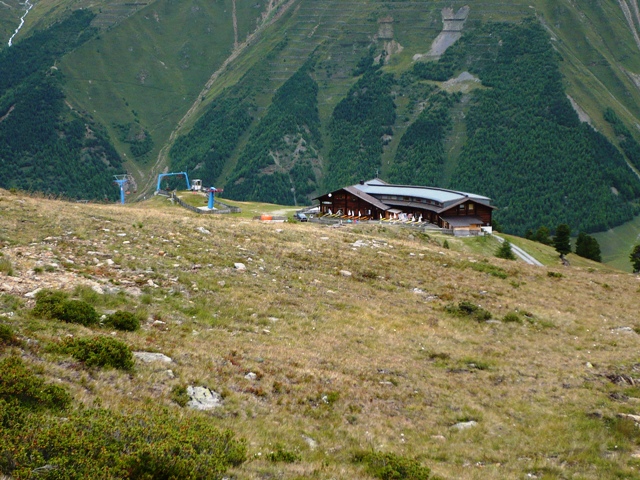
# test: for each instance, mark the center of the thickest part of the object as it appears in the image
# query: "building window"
(471, 208)
(461, 208)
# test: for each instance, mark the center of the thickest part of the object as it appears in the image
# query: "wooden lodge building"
(464, 213)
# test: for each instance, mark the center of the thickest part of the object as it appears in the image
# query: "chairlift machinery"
(127, 184)
(175, 174)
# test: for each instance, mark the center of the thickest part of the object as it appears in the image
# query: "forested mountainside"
(44, 145)
(283, 100)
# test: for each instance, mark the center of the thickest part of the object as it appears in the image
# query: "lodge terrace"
(462, 213)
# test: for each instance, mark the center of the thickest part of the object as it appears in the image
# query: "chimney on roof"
(361, 182)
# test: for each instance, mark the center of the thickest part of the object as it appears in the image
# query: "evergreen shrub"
(18, 385)
(76, 311)
(103, 352)
(47, 301)
(389, 466)
(122, 320)
(281, 454)
(7, 337)
(99, 443)
(470, 310)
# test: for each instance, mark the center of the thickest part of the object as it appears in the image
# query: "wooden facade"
(377, 200)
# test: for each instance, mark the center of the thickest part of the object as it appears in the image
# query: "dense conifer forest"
(276, 165)
(202, 153)
(358, 127)
(526, 147)
(44, 145)
(420, 158)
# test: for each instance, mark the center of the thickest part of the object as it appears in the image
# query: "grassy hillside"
(383, 359)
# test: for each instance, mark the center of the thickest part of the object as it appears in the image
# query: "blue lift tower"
(126, 182)
(176, 174)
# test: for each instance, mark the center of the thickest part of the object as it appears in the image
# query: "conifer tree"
(504, 251)
(542, 235)
(635, 258)
(562, 240)
(588, 247)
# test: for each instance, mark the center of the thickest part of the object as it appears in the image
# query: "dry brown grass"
(399, 371)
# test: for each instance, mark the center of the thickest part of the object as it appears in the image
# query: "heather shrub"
(179, 395)
(97, 443)
(389, 466)
(281, 454)
(7, 337)
(103, 352)
(19, 385)
(76, 311)
(122, 320)
(47, 301)
(512, 317)
(470, 310)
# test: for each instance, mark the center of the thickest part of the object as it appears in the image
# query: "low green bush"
(389, 466)
(489, 269)
(20, 386)
(281, 454)
(103, 352)
(76, 311)
(122, 320)
(98, 443)
(179, 395)
(7, 337)
(512, 317)
(47, 301)
(468, 309)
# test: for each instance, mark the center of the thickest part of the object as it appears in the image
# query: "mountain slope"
(142, 78)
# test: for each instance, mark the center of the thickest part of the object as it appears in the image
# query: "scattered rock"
(620, 379)
(32, 294)
(629, 416)
(623, 330)
(310, 441)
(170, 373)
(203, 230)
(148, 357)
(251, 376)
(98, 289)
(464, 425)
(134, 291)
(345, 273)
(203, 399)
(440, 438)
(240, 266)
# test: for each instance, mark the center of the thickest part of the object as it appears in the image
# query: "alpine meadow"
(231, 330)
